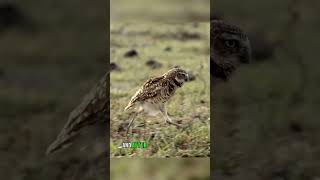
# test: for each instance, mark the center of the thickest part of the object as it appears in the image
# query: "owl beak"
(187, 77)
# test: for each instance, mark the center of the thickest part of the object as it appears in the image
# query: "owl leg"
(166, 117)
(133, 117)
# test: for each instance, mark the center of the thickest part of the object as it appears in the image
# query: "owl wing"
(93, 110)
(150, 89)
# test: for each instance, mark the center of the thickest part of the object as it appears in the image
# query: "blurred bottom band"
(160, 168)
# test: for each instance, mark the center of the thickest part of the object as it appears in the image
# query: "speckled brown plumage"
(155, 92)
(158, 90)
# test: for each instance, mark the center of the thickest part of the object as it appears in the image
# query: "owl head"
(178, 75)
(230, 47)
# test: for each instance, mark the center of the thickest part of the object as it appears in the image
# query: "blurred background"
(51, 54)
(161, 169)
(266, 119)
(160, 10)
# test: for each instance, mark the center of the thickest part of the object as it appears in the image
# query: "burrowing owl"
(155, 92)
(230, 47)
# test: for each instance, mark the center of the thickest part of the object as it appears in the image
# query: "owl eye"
(231, 43)
(181, 76)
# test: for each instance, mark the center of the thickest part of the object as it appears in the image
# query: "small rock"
(295, 127)
(168, 49)
(10, 15)
(114, 67)
(131, 53)
(153, 64)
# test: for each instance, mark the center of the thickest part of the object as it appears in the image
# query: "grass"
(190, 105)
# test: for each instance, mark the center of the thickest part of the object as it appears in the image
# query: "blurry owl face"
(233, 48)
(230, 47)
(182, 76)
(178, 75)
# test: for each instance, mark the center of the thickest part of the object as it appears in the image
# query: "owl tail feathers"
(63, 141)
(129, 106)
